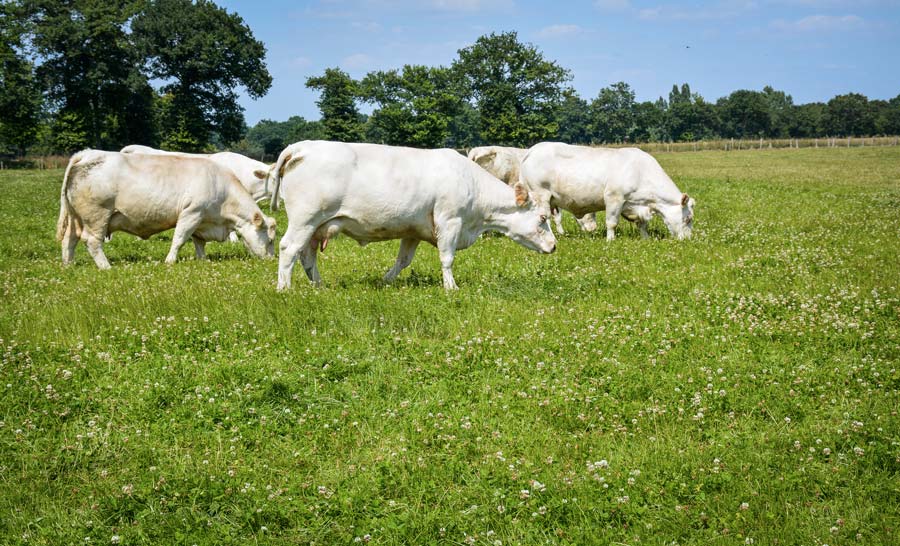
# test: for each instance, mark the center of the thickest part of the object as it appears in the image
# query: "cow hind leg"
(70, 240)
(94, 244)
(184, 230)
(291, 244)
(404, 258)
(309, 259)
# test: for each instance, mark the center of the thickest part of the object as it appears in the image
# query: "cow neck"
(496, 202)
(239, 207)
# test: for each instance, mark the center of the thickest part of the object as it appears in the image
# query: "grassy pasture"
(738, 388)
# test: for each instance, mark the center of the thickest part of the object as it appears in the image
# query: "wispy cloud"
(724, 9)
(368, 26)
(612, 5)
(356, 61)
(820, 23)
(300, 62)
(555, 31)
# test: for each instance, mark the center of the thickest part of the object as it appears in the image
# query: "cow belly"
(365, 232)
(141, 227)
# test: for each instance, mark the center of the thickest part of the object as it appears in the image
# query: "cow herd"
(368, 192)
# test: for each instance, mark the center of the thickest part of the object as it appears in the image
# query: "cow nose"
(553, 248)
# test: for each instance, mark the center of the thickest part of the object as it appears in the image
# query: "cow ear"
(684, 199)
(521, 195)
(258, 219)
(261, 174)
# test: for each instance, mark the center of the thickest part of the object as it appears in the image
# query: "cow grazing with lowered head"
(505, 163)
(373, 193)
(626, 182)
(144, 194)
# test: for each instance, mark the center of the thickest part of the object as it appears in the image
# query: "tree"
(806, 120)
(887, 116)
(573, 119)
(650, 121)
(612, 114)
(464, 128)
(204, 53)
(20, 98)
(415, 106)
(693, 120)
(90, 70)
(337, 102)
(744, 114)
(780, 107)
(515, 90)
(848, 115)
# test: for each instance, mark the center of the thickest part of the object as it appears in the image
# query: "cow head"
(259, 235)
(528, 224)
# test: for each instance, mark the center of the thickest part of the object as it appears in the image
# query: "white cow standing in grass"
(505, 163)
(145, 194)
(252, 174)
(376, 193)
(625, 182)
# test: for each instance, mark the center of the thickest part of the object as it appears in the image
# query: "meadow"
(738, 388)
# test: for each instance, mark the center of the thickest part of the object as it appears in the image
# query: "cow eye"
(543, 218)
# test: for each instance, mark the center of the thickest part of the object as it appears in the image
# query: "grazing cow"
(143, 194)
(377, 193)
(505, 163)
(625, 182)
(252, 174)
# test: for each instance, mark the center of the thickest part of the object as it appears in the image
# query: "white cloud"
(469, 5)
(555, 31)
(356, 61)
(820, 23)
(300, 62)
(612, 5)
(368, 26)
(724, 9)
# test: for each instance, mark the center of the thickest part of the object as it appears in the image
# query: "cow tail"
(66, 215)
(286, 157)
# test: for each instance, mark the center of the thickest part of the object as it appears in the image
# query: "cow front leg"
(447, 239)
(642, 225)
(588, 222)
(613, 212)
(184, 230)
(199, 247)
(291, 244)
(404, 258)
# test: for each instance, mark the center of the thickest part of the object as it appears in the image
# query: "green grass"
(633, 392)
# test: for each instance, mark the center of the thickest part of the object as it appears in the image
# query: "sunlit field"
(738, 388)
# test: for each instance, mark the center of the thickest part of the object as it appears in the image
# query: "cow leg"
(447, 238)
(588, 222)
(642, 225)
(94, 244)
(184, 230)
(199, 247)
(557, 219)
(404, 258)
(309, 259)
(70, 240)
(233, 237)
(613, 211)
(291, 244)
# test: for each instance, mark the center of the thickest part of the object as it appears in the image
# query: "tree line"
(165, 73)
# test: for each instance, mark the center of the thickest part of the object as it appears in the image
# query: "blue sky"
(811, 49)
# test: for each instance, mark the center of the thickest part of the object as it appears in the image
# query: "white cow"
(625, 182)
(376, 193)
(505, 163)
(253, 175)
(142, 194)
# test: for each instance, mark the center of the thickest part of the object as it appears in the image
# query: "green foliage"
(267, 138)
(514, 88)
(205, 53)
(745, 114)
(414, 107)
(740, 387)
(573, 119)
(848, 115)
(690, 120)
(20, 98)
(341, 120)
(69, 132)
(612, 114)
(90, 68)
(464, 128)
